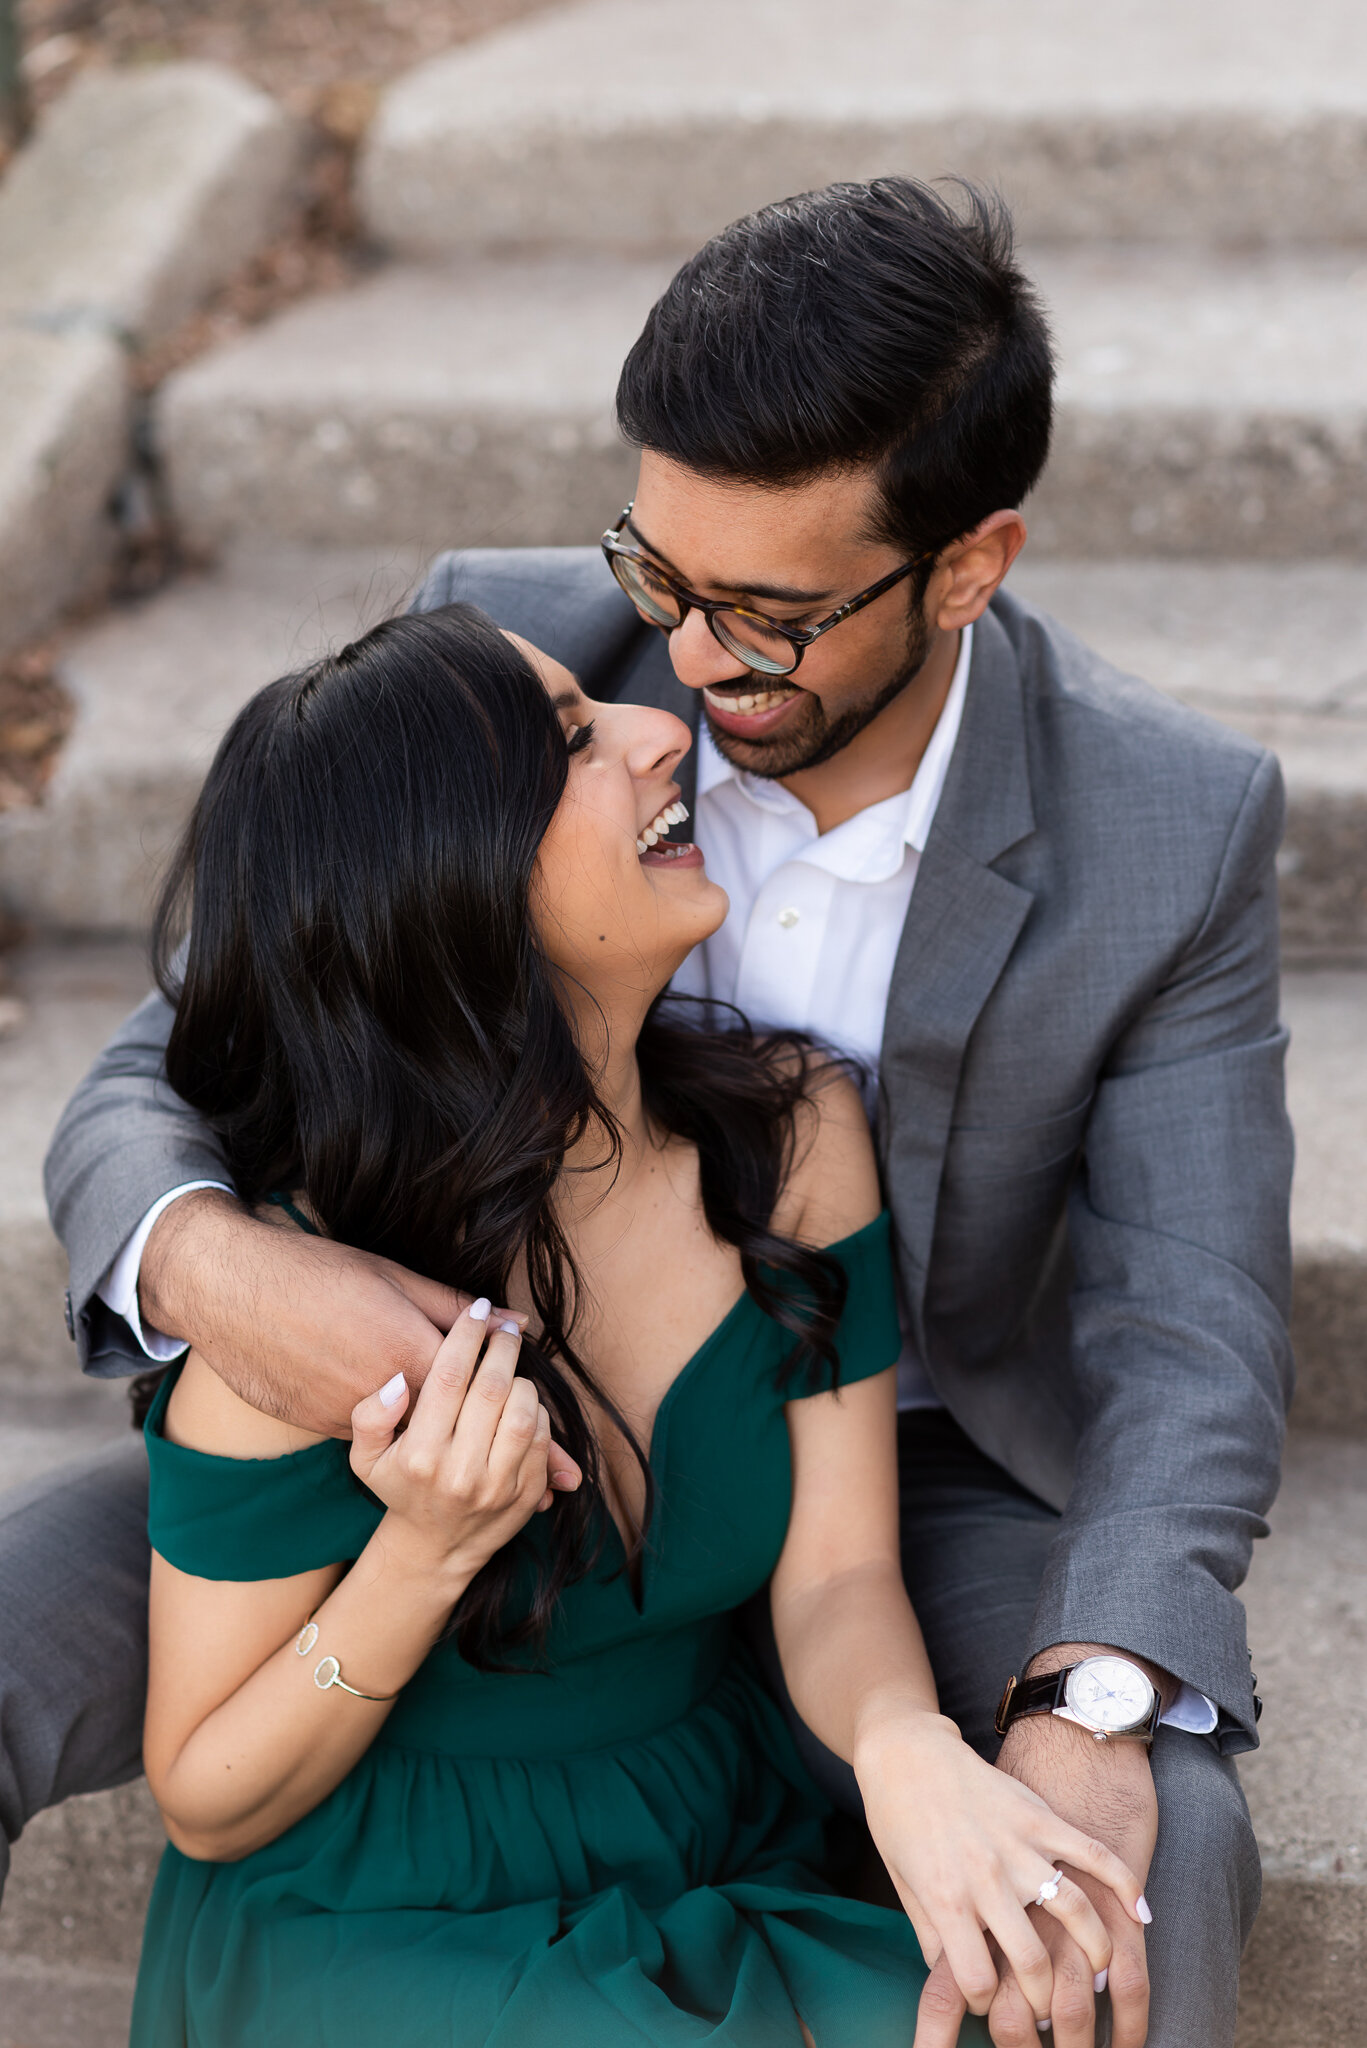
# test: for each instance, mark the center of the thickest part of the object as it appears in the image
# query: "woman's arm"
(966, 1848)
(240, 1742)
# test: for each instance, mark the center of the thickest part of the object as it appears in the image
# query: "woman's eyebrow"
(567, 700)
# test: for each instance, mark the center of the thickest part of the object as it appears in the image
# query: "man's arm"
(123, 1141)
(1180, 1236)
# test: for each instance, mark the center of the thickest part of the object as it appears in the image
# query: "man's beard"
(812, 736)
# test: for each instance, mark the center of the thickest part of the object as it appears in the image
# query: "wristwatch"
(1108, 1696)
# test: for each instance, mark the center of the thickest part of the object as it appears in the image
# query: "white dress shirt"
(808, 944)
(816, 918)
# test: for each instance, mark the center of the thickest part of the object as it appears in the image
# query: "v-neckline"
(659, 1432)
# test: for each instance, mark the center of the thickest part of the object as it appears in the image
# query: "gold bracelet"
(328, 1672)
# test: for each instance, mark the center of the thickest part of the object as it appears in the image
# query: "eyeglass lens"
(745, 637)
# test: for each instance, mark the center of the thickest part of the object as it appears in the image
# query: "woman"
(451, 1736)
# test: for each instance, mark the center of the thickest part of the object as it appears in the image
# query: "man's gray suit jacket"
(1083, 1133)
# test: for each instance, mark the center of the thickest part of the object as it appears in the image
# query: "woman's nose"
(699, 658)
(657, 741)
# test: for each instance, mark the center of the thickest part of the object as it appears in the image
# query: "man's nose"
(699, 658)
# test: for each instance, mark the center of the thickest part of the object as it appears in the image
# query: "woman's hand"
(475, 1462)
(968, 1849)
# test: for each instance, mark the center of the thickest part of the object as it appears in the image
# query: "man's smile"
(748, 711)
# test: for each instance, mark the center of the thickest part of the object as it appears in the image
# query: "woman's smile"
(656, 850)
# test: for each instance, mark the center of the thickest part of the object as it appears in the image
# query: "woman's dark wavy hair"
(363, 1013)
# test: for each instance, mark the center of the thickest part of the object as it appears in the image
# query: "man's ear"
(968, 574)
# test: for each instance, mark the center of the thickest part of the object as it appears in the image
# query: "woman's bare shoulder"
(204, 1414)
(832, 1189)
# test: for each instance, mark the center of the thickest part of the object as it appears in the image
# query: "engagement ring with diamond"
(1049, 1889)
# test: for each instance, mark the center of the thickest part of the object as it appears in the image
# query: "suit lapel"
(963, 921)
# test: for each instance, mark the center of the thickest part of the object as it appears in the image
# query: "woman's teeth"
(676, 814)
(747, 701)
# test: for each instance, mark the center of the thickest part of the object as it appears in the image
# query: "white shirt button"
(788, 918)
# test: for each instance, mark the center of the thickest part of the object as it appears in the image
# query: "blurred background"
(294, 295)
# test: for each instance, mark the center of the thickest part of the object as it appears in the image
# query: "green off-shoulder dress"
(619, 1851)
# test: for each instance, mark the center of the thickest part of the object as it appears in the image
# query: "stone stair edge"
(1208, 408)
(1165, 126)
(139, 193)
(1279, 650)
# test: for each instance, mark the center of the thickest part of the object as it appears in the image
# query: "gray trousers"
(73, 1666)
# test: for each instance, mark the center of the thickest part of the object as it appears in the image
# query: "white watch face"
(1109, 1693)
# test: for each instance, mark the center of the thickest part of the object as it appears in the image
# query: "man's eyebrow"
(777, 593)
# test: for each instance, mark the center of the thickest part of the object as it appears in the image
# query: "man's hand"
(1107, 1791)
(300, 1327)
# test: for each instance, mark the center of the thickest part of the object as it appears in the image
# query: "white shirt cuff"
(119, 1288)
(1192, 1712)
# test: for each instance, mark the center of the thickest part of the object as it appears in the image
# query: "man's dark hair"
(860, 324)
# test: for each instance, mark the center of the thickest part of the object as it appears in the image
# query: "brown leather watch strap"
(1038, 1695)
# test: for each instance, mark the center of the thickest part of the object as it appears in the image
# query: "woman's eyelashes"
(580, 736)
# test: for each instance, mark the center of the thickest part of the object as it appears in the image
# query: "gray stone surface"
(156, 685)
(43, 1426)
(640, 124)
(1278, 650)
(80, 1880)
(1207, 407)
(62, 448)
(1305, 1980)
(62, 2006)
(73, 998)
(1327, 1089)
(142, 191)
(430, 409)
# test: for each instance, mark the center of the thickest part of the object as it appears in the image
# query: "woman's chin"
(690, 906)
(680, 876)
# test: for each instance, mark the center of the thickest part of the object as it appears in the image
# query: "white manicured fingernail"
(479, 1310)
(1044, 2026)
(392, 1392)
(511, 1329)
(1141, 1907)
(1099, 1981)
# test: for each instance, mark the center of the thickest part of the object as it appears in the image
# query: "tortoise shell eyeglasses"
(765, 645)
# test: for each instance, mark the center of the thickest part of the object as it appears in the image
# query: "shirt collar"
(862, 848)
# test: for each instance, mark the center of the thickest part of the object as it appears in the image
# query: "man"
(1036, 897)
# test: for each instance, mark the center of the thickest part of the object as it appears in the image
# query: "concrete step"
(1305, 1978)
(637, 124)
(76, 994)
(1209, 406)
(156, 685)
(49, 1421)
(1327, 1092)
(73, 996)
(1277, 649)
(70, 1927)
(59, 2005)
